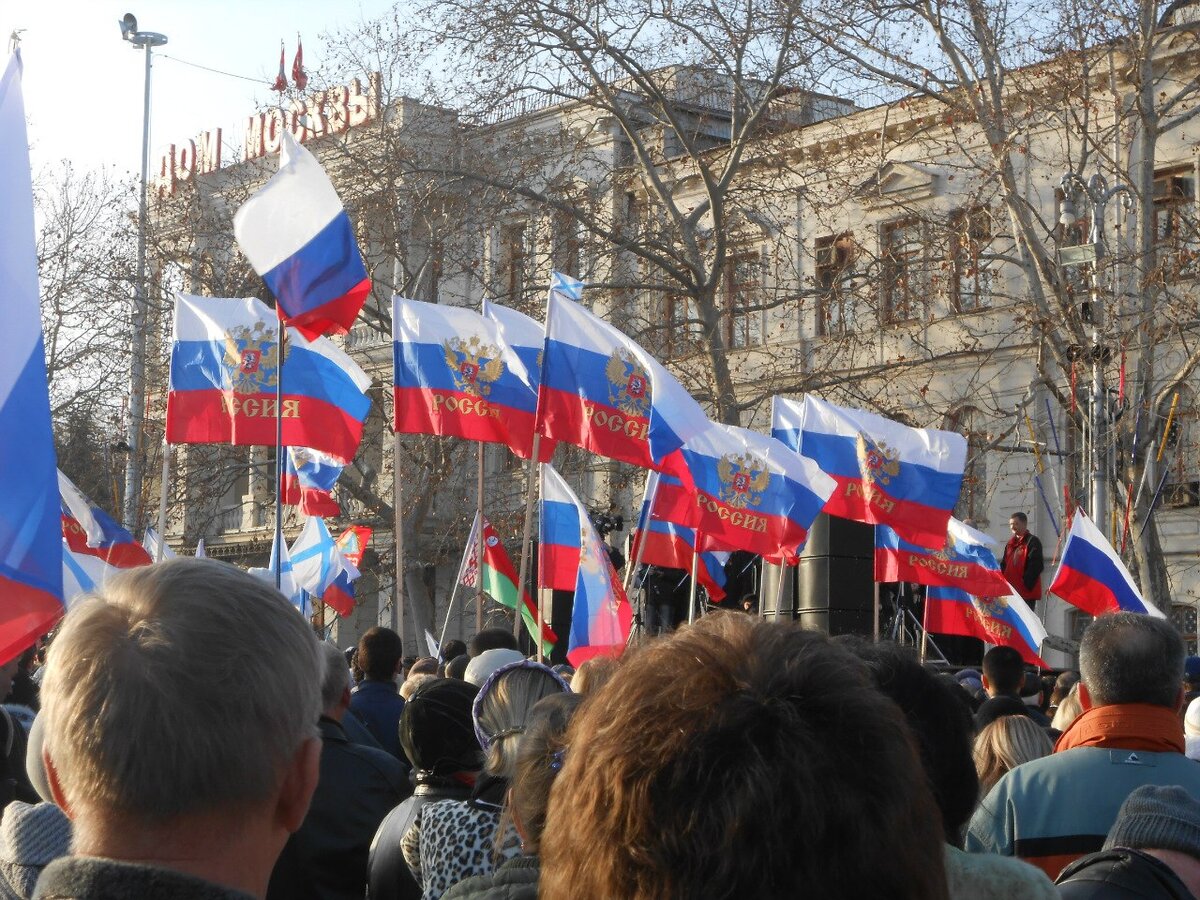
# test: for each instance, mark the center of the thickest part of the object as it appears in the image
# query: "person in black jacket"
(327, 858)
(438, 736)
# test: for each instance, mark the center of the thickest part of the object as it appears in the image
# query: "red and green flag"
(500, 580)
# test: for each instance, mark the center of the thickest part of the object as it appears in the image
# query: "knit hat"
(1191, 721)
(488, 662)
(1157, 818)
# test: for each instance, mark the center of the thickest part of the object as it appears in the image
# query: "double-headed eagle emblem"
(992, 607)
(251, 358)
(878, 462)
(473, 365)
(628, 384)
(743, 480)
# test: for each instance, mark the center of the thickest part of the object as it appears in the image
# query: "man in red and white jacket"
(1022, 564)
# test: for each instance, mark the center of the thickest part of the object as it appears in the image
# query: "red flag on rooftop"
(298, 75)
(281, 83)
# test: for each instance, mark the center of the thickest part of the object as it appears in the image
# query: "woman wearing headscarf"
(437, 734)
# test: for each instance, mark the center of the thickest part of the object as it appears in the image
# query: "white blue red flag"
(603, 392)
(565, 286)
(309, 477)
(318, 564)
(886, 473)
(1004, 619)
(94, 546)
(1092, 577)
(287, 580)
(668, 543)
(456, 375)
(224, 371)
(156, 546)
(31, 564)
(965, 562)
(572, 551)
(297, 236)
(752, 492)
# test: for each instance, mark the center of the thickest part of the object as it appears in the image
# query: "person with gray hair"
(1053, 810)
(326, 859)
(180, 709)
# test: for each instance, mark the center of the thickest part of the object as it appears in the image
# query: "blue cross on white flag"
(287, 579)
(566, 286)
(316, 559)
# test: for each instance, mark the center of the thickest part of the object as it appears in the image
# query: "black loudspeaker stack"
(835, 580)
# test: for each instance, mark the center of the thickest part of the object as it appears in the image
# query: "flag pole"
(479, 543)
(398, 535)
(692, 586)
(279, 451)
(527, 531)
(458, 578)
(162, 502)
(924, 630)
(783, 567)
(538, 587)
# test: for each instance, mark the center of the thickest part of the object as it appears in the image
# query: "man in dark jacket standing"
(377, 702)
(327, 858)
(1022, 564)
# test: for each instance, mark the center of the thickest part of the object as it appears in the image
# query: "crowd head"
(1131, 658)
(379, 653)
(735, 737)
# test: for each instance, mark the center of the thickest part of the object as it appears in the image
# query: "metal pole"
(479, 546)
(162, 502)
(540, 580)
(397, 619)
(280, 452)
(692, 587)
(137, 362)
(527, 534)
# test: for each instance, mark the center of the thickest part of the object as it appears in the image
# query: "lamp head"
(1068, 215)
(128, 25)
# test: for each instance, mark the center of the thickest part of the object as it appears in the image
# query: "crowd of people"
(191, 738)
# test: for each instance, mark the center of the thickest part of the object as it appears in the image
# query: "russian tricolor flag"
(456, 375)
(671, 545)
(752, 492)
(1005, 620)
(886, 473)
(1092, 577)
(574, 558)
(965, 562)
(94, 546)
(224, 371)
(31, 563)
(309, 477)
(601, 391)
(297, 236)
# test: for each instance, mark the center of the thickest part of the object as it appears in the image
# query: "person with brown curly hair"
(740, 758)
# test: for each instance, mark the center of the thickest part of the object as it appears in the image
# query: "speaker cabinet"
(835, 580)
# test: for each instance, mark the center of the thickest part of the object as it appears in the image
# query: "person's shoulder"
(984, 876)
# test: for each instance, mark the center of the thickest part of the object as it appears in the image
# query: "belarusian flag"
(500, 579)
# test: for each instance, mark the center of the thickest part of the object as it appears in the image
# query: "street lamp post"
(147, 41)
(1098, 195)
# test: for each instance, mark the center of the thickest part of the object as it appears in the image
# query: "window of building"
(972, 500)
(742, 317)
(681, 328)
(905, 270)
(971, 232)
(1176, 240)
(564, 244)
(835, 254)
(1183, 615)
(512, 261)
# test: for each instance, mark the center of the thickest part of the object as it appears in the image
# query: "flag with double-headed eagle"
(1003, 619)
(887, 473)
(752, 492)
(574, 558)
(965, 561)
(224, 373)
(456, 375)
(601, 391)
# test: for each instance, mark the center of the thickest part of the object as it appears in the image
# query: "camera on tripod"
(607, 523)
